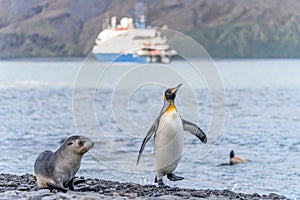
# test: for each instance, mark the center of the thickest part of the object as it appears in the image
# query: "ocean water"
(254, 111)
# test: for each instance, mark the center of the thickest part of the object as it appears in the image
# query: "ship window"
(142, 38)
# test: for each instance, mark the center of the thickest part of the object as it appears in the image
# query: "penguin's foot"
(173, 177)
(161, 183)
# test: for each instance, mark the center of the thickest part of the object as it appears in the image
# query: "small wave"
(34, 83)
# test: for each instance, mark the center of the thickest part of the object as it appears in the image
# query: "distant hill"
(226, 28)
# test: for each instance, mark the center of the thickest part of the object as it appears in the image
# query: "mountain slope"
(226, 28)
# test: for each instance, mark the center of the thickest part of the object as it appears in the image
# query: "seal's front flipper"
(173, 177)
(56, 187)
(70, 184)
(78, 181)
(82, 189)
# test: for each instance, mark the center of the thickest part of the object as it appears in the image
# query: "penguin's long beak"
(175, 89)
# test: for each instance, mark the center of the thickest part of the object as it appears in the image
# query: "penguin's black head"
(170, 93)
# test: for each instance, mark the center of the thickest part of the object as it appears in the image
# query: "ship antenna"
(140, 15)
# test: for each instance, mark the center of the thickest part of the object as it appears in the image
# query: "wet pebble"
(183, 194)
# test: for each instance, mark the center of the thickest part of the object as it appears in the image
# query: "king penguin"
(168, 131)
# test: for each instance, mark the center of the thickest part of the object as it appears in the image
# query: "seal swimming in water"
(56, 170)
(168, 131)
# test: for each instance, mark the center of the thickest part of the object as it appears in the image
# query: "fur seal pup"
(56, 170)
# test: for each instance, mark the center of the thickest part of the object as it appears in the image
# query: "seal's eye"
(69, 143)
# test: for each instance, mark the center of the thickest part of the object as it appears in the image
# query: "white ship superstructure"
(129, 42)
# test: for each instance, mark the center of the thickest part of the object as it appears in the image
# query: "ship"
(129, 41)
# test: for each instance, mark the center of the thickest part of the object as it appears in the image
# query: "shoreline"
(24, 187)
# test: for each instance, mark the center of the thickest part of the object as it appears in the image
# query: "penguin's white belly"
(169, 143)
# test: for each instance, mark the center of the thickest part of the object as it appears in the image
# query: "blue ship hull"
(115, 57)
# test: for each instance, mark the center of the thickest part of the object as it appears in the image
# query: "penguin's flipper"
(147, 138)
(194, 129)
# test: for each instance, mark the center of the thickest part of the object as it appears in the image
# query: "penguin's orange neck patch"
(171, 108)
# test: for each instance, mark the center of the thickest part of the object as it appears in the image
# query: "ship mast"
(140, 10)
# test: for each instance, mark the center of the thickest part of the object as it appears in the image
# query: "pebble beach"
(24, 187)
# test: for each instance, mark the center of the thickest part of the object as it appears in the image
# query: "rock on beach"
(24, 187)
